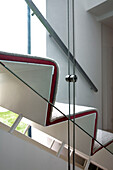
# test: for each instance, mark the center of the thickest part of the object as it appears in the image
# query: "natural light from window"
(13, 28)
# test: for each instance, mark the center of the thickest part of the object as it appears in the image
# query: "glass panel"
(84, 95)
(12, 88)
(24, 79)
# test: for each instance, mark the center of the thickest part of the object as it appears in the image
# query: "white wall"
(17, 154)
(88, 51)
(107, 60)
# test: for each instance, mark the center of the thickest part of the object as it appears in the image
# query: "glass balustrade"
(35, 87)
(18, 94)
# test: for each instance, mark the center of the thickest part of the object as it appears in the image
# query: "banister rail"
(59, 42)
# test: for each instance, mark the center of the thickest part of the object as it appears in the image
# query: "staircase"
(19, 93)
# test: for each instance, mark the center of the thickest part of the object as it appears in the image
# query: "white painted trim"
(60, 150)
(13, 127)
(87, 164)
(28, 126)
(94, 4)
(105, 16)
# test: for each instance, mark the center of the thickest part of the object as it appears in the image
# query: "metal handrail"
(59, 42)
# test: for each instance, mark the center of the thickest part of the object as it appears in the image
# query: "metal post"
(29, 45)
(73, 23)
(68, 19)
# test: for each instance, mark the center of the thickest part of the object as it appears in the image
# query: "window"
(14, 38)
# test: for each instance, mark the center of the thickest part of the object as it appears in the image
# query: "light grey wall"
(107, 61)
(88, 51)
